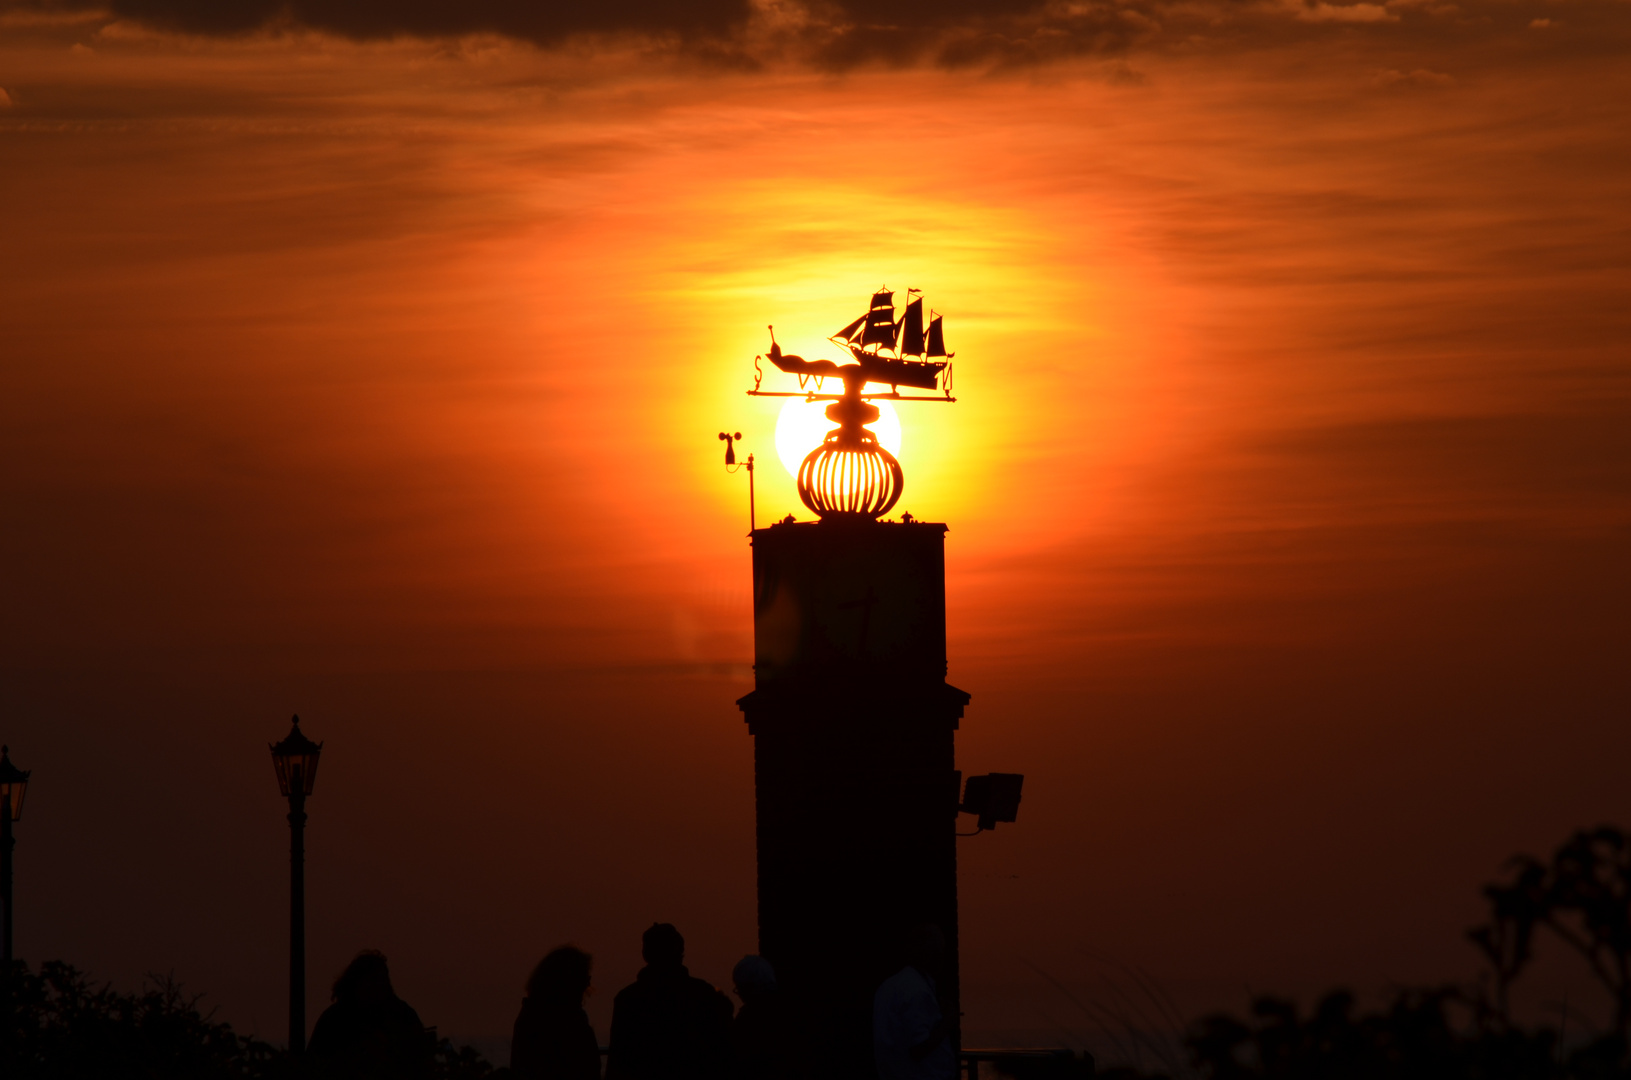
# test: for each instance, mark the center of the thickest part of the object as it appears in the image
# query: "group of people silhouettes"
(666, 1025)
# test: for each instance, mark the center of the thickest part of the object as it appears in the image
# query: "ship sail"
(880, 321)
(937, 338)
(911, 336)
(849, 332)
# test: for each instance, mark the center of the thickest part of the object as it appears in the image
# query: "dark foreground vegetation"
(59, 1025)
(1580, 900)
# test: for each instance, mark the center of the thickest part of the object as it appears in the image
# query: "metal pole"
(752, 516)
(297, 912)
(7, 842)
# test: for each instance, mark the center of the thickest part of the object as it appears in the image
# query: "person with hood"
(911, 1039)
(667, 1025)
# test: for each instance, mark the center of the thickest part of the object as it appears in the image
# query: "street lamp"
(13, 785)
(295, 759)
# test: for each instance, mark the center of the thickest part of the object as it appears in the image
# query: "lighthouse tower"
(852, 720)
(856, 788)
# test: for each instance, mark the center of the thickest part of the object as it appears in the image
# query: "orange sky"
(1289, 484)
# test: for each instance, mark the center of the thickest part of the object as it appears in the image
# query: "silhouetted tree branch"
(1583, 897)
(1507, 942)
(1412, 1038)
(60, 1026)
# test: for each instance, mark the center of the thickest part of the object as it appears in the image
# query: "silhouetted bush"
(60, 1027)
(1582, 897)
(459, 1063)
(1414, 1038)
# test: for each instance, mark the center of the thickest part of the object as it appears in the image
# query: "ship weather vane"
(850, 475)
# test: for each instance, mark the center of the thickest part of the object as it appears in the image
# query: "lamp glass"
(296, 752)
(13, 785)
(286, 764)
(11, 796)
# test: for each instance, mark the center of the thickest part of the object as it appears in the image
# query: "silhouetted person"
(369, 1033)
(667, 1025)
(910, 1038)
(552, 1038)
(767, 1037)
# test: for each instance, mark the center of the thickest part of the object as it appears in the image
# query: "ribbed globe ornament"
(860, 480)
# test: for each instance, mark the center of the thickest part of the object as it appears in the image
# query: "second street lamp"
(13, 785)
(295, 759)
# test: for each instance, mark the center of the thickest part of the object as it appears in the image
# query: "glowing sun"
(803, 424)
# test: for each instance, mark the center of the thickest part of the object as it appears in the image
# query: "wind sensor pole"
(731, 439)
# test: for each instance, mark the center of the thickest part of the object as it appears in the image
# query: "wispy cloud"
(828, 34)
(1343, 13)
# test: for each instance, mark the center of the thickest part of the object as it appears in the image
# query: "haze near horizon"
(371, 370)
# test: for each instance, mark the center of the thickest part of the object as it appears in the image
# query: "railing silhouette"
(1049, 1062)
(1031, 1061)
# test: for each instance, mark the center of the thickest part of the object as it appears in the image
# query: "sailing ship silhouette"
(866, 339)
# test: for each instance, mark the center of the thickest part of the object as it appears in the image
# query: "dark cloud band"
(534, 21)
(549, 20)
(839, 34)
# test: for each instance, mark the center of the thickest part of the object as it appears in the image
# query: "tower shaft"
(855, 782)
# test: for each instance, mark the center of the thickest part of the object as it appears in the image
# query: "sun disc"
(803, 424)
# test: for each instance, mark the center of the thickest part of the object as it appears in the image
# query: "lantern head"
(295, 756)
(13, 785)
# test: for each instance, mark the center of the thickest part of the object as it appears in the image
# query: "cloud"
(1348, 13)
(1426, 7)
(532, 21)
(833, 34)
(1419, 77)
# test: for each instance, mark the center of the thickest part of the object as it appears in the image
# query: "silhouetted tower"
(852, 719)
(855, 779)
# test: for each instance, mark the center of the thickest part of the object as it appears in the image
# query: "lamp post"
(295, 759)
(13, 785)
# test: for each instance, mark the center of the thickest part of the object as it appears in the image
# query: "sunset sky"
(366, 361)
